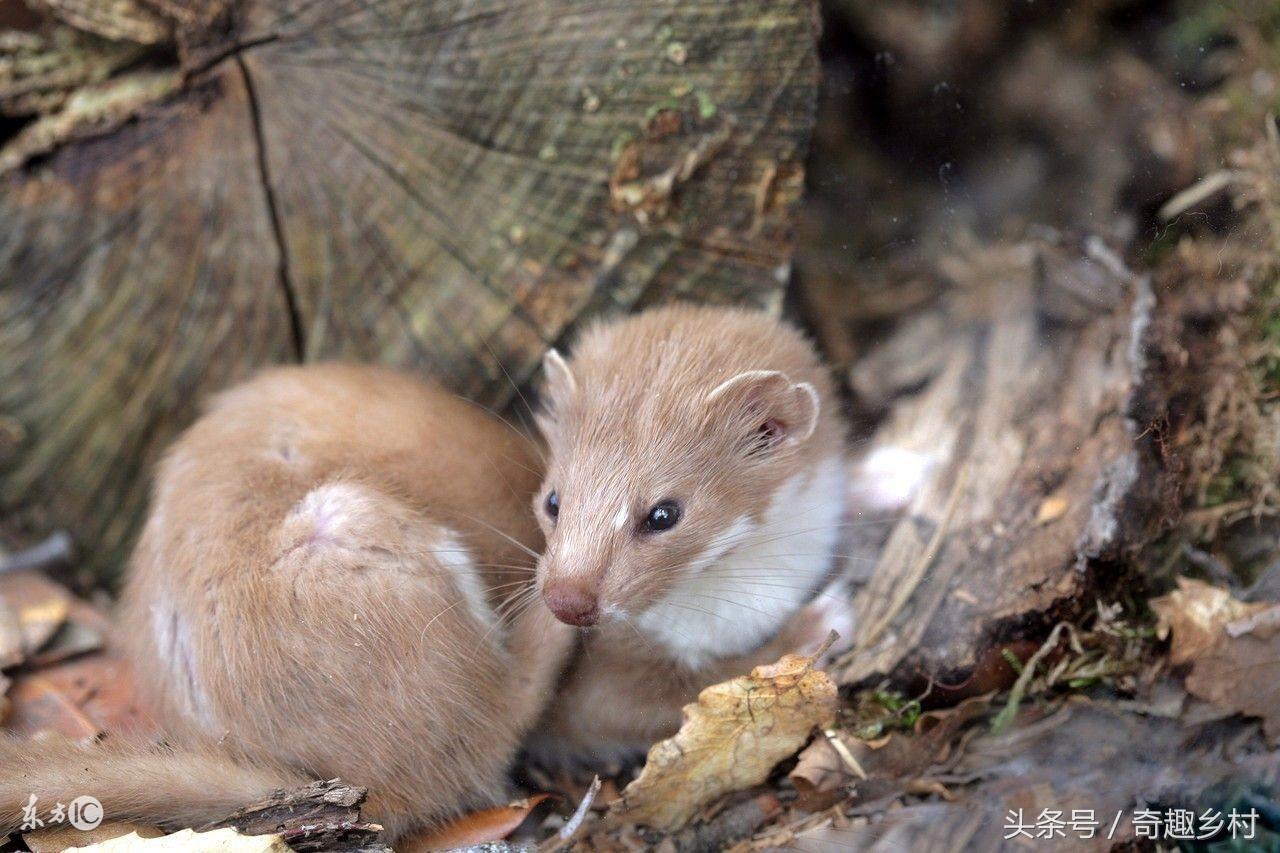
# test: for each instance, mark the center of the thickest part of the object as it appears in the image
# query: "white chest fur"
(755, 575)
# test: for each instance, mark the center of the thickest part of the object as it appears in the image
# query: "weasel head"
(670, 434)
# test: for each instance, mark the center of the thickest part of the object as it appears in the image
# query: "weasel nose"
(572, 604)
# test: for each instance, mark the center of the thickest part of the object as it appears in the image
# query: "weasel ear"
(557, 385)
(557, 375)
(774, 410)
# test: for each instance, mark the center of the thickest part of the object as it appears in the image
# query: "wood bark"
(319, 816)
(449, 186)
(1036, 431)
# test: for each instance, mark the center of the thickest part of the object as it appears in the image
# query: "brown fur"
(290, 599)
(633, 419)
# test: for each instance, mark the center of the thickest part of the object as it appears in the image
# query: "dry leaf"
(73, 639)
(11, 652)
(897, 758)
(79, 698)
(475, 828)
(1197, 614)
(189, 841)
(820, 768)
(1233, 646)
(731, 739)
(42, 606)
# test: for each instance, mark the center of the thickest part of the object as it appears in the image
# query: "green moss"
(878, 712)
(706, 106)
(1233, 482)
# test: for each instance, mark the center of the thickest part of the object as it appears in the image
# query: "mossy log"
(449, 186)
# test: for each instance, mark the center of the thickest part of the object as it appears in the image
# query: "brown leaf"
(40, 706)
(11, 653)
(1197, 614)
(896, 758)
(1233, 647)
(79, 698)
(73, 639)
(482, 827)
(1243, 674)
(731, 739)
(42, 606)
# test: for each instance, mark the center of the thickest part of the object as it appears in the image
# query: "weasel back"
(316, 593)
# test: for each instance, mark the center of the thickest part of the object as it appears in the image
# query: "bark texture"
(1037, 434)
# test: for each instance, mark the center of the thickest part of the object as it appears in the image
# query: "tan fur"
(291, 599)
(666, 405)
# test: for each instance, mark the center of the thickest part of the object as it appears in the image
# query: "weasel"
(331, 582)
(692, 506)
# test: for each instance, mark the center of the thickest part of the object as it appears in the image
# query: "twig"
(1202, 189)
(822, 649)
(570, 829)
(833, 738)
(580, 814)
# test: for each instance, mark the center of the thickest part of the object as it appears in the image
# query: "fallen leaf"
(11, 646)
(1197, 615)
(41, 707)
(189, 841)
(731, 739)
(1243, 674)
(57, 838)
(73, 639)
(42, 606)
(79, 698)
(475, 828)
(1263, 621)
(893, 761)
(820, 768)
(1233, 648)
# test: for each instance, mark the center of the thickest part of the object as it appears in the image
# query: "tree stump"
(197, 189)
(1034, 424)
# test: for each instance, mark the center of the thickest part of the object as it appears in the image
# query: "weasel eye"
(553, 505)
(663, 516)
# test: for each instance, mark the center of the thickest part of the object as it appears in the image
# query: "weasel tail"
(179, 787)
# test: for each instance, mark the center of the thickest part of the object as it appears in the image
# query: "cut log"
(442, 185)
(1037, 466)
